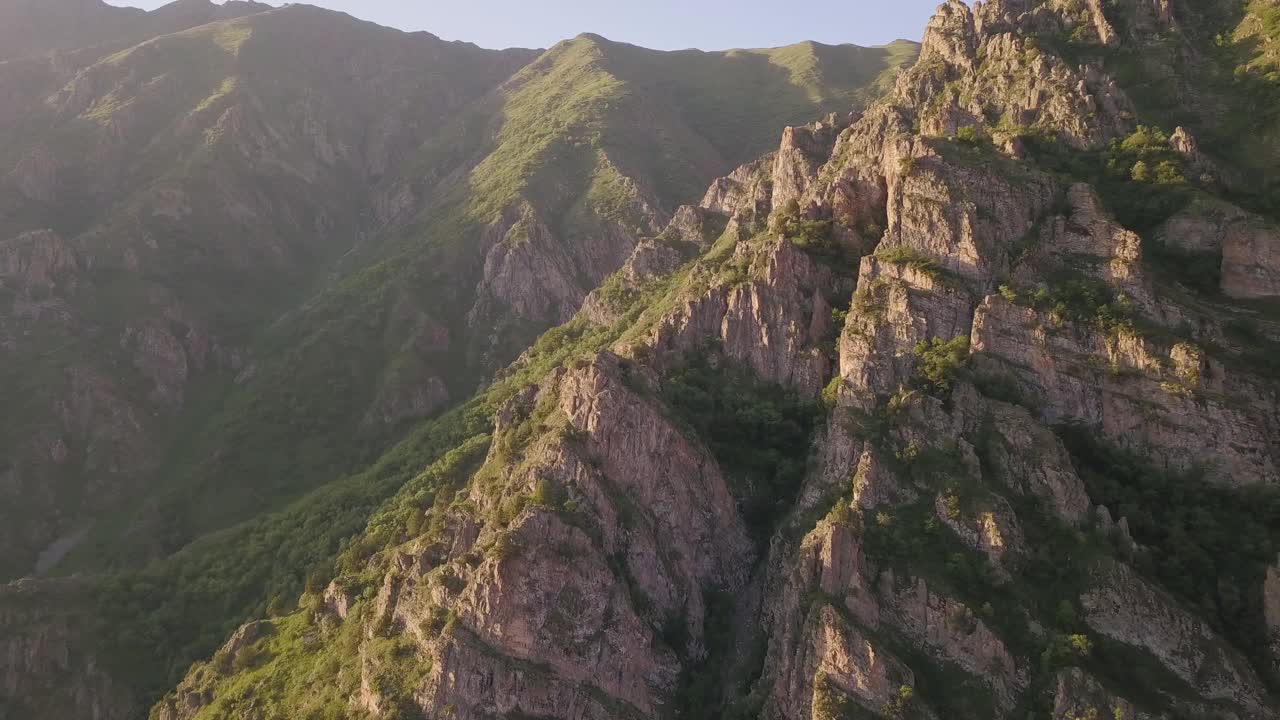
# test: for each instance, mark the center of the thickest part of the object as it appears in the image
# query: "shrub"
(1065, 651)
(1080, 299)
(912, 258)
(899, 708)
(831, 393)
(841, 514)
(505, 547)
(1145, 139)
(942, 361)
(1169, 173)
(971, 135)
(815, 237)
(829, 702)
(548, 494)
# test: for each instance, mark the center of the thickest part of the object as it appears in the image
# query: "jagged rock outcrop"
(532, 276)
(773, 325)
(1245, 243)
(37, 262)
(1118, 384)
(950, 88)
(1079, 695)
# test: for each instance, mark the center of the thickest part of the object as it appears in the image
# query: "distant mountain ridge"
(39, 27)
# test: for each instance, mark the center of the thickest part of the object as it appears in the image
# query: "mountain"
(163, 204)
(251, 258)
(960, 407)
(326, 186)
(42, 27)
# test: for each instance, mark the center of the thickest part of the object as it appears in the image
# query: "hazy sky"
(664, 24)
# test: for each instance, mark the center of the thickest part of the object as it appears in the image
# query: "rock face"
(1125, 608)
(1245, 243)
(1271, 609)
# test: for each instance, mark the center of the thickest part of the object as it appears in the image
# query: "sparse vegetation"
(912, 258)
(1077, 298)
(815, 237)
(1140, 178)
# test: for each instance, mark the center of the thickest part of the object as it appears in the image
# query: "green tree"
(941, 361)
(1168, 173)
(899, 707)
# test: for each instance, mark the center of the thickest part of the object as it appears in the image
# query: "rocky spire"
(950, 36)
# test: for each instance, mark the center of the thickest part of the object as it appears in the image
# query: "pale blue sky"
(663, 24)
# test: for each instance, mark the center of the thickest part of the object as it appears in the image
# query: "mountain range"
(355, 373)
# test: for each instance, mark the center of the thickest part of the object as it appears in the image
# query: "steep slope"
(911, 418)
(163, 204)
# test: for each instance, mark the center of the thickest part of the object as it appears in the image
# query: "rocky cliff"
(932, 413)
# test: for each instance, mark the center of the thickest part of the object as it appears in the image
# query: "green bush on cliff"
(815, 237)
(941, 361)
(1140, 178)
(912, 258)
